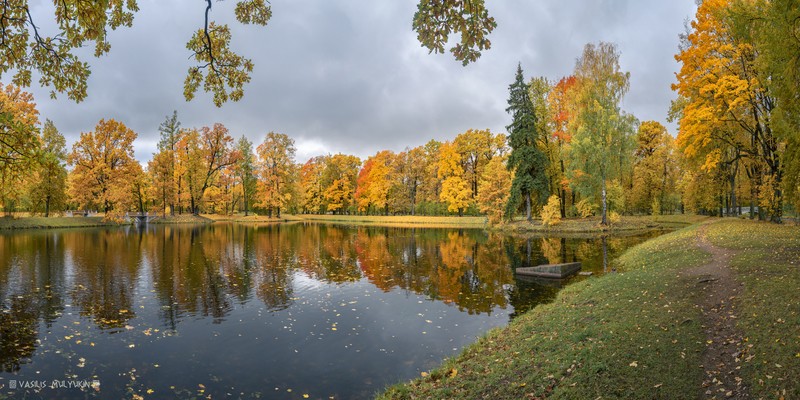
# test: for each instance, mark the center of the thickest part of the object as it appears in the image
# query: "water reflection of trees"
(105, 267)
(463, 267)
(210, 270)
(31, 287)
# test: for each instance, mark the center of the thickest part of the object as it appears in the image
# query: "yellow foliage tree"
(339, 182)
(726, 107)
(551, 212)
(455, 190)
(103, 168)
(276, 172)
(19, 141)
(494, 190)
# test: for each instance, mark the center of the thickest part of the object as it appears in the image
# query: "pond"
(270, 311)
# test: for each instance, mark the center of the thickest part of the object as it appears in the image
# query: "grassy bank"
(592, 224)
(183, 219)
(399, 220)
(252, 218)
(52, 222)
(637, 334)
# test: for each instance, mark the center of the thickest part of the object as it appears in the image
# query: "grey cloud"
(349, 76)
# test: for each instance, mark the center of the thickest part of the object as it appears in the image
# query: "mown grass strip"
(52, 222)
(592, 224)
(399, 220)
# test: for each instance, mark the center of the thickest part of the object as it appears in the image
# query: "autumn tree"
(48, 181)
(412, 169)
(655, 170)
(162, 187)
(526, 159)
(602, 132)
(245, 172)
(217, 68)
(311, 185)
(170, 131)
(549, 106)
(773, 25)
(494, 190)
(377, 181)
(559, 109)
(339, 181)
(140, 187)
(19, 141)
(275, 172)
(202, 155)
(728, 107)
(477, 148)
(455, 189)
(436, 19)
(430, 186)
(103, 165)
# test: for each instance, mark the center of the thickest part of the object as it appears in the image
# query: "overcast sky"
(349, 76)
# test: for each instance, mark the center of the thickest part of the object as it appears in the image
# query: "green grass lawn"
(399, 220)
(636, 334)
(592, 224)
(52, 222)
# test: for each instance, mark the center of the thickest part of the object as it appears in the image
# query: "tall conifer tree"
(526, 159)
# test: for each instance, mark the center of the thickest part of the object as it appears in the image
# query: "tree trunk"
(279, 211)
(563, 193)
(604, 221)
(733, 189)
(528, 215)
(47, 206)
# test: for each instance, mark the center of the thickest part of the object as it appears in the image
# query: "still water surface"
(242, 311)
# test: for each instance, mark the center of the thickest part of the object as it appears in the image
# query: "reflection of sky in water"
(238, 311)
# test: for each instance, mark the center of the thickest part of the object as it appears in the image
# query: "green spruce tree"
(526, 159)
